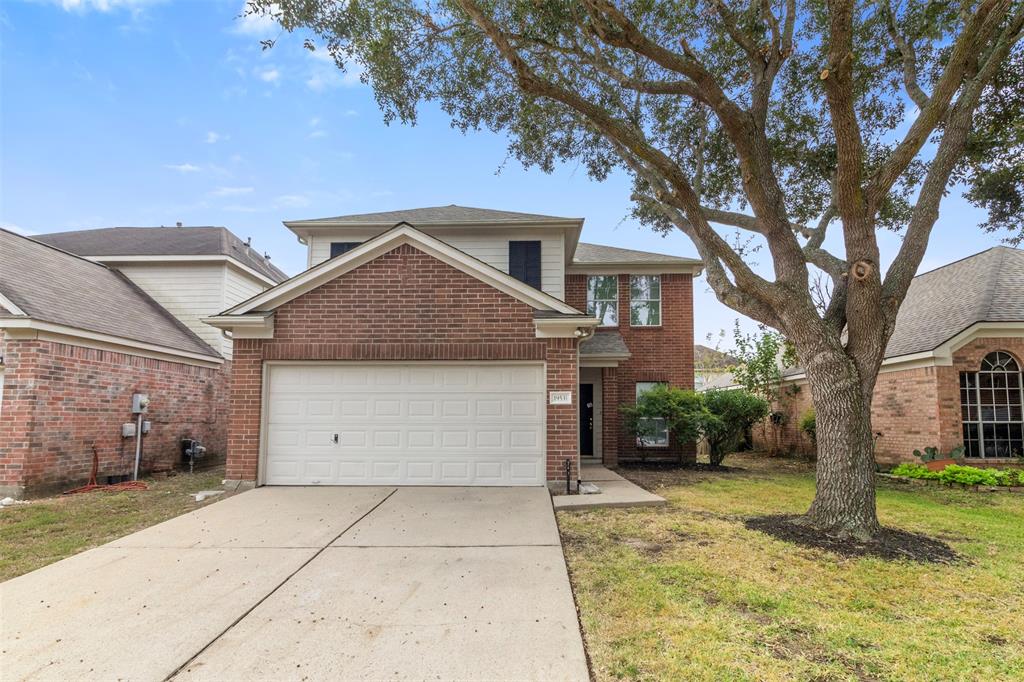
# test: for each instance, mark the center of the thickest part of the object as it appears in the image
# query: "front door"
(586, 420)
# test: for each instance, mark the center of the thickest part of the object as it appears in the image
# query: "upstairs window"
(338, 248)
(645, 301)
(524, 262)
(603, 299)
(992, 408)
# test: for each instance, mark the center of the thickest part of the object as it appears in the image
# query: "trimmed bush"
(964, 475)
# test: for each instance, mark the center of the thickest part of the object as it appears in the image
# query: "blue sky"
(140, 112)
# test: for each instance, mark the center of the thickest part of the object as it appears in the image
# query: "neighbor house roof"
(985, 287)
(433, 215)
(162, 241)
(46, 284)
(595, 254)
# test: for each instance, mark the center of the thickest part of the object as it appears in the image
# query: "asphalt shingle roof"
(604, 343)
(437, 214)
(53, 286)
(595, 254)
(162, 241)
(985, 287)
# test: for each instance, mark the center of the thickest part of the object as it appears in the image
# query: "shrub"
(965, 475)
(930, 454)
(729, 415)
(680, 410)
(809, 425)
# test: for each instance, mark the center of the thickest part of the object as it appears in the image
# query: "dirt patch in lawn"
(891, 544)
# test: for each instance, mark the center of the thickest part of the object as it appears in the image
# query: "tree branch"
(909, 57)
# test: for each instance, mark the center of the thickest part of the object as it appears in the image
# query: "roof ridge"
(961, 260)
(991, 285)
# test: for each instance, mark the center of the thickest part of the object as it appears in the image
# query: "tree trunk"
(844, 504)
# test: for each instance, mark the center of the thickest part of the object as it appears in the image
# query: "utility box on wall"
(140, 401)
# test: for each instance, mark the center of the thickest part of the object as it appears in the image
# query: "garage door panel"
(415, 424)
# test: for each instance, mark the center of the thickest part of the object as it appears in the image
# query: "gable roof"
(162, 241)
(50, 285)
(436, 215)
(596, 254)
(403, 233)
(984, 287)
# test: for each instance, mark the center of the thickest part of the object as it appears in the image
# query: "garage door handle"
(335, 439)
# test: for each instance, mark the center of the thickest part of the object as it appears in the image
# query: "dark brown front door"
(586, 420)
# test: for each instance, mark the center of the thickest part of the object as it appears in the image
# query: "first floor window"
(603, 299)
(645, 301)
(659, 431)
(992, 408)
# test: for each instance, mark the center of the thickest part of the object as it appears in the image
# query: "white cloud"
(103, 5)
(214, 137)
(257, 25)
(270, 75)
(183, 167)
(317, 133)
(351, 112)
(325, 73)
(314, 122)
(291, 201)
(231, 191)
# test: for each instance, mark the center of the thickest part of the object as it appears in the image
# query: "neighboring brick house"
(451, 346)
(78, 338)
(952, 371)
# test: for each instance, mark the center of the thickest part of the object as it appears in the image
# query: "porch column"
(610, 416)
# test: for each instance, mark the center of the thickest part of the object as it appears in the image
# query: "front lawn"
(48, 529)
(687, 592)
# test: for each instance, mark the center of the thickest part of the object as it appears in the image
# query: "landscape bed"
(688, 591)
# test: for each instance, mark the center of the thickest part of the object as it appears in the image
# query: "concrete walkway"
(309, 583)
(615, 492)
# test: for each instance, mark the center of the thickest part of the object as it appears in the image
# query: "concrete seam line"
(276, 587)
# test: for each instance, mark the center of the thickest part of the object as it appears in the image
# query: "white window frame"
(971, 410)
(614, 303)
(661, 442)
(644, 300)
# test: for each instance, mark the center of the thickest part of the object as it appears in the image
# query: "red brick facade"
(403, 305)
(663, 354)
(60, 399)
(912, 408)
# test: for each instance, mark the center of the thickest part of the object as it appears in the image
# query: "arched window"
(992, 408)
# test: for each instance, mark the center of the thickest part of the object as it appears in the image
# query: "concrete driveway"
(309, 584)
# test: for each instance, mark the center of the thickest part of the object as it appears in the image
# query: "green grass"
(686, 592)
(49, 529)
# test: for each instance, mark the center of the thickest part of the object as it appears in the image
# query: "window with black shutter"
(524, 262)
(338, 248)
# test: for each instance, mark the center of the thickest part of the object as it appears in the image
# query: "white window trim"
(667, 438)
(605, 300)
(645, 300)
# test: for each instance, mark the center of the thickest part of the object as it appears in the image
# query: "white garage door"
(405, 424)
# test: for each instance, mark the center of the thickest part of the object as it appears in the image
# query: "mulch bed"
(890, 544)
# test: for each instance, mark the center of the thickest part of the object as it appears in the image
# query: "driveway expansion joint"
(281, 584)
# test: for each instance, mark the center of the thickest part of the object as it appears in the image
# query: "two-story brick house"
(451, 346)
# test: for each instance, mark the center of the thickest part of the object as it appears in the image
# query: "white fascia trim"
(107, 260)
(580, 327)
(941, 356)
(8, 304)
(244, 326)
(50, 331)
(694, 269)
(381, 244)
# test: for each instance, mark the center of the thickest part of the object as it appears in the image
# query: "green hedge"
(955, 473)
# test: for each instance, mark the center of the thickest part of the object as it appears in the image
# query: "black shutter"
(338, 248)
(524, 262)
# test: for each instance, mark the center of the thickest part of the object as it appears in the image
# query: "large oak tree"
(781, 119)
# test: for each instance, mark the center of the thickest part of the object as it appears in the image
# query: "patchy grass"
(49, 529)
(687, 592)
